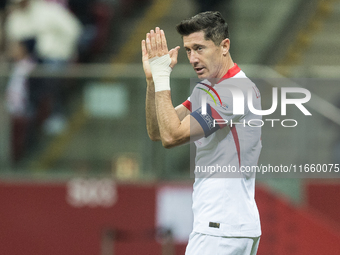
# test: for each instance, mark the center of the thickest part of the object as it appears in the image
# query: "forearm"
(150, 110)
(170, 127)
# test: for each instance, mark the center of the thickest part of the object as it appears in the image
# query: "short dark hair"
(212, 23)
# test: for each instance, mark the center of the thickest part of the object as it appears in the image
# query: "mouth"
(199, 70)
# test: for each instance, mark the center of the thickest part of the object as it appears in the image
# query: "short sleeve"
(187, 104)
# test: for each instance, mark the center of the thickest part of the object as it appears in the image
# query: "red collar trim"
(231, 72)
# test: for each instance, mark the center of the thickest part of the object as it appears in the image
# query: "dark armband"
(207, 121)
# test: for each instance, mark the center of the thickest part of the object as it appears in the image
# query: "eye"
(199, 48)
(188, 51)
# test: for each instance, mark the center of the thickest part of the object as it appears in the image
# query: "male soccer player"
(226, 219)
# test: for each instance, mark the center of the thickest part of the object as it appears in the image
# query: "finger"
(143, 47)
(174, 52)
(173, 55)
(148, 44)
(164, 44)
(153, 40)
(158, 41)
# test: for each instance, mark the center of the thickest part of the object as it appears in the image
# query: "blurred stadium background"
(95, 184)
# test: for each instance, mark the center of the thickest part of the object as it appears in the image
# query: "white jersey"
(223, 204)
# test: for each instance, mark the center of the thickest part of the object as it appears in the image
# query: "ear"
(225, 44)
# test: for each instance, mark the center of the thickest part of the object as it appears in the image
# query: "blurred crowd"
(55, 33)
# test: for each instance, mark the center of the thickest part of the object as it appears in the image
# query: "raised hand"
(155, 45)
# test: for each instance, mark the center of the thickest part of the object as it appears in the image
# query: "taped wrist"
(160, 69)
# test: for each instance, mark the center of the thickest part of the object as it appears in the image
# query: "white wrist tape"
(160, 69)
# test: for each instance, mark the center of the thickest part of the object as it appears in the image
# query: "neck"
(229, 63)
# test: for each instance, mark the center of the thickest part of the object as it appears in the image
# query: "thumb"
(173, 55)
(174, 52)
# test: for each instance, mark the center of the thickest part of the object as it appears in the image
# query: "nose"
(193, 58)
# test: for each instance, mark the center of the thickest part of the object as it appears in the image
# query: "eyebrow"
(195, 46)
